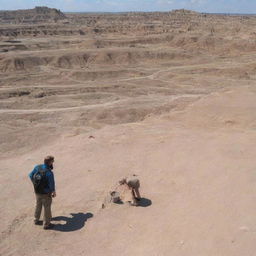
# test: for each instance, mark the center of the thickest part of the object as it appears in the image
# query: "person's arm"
(51, 184)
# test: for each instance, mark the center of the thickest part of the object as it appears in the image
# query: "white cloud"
(165, 2)
(198, 1)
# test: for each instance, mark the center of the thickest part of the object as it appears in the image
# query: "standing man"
(42, 178)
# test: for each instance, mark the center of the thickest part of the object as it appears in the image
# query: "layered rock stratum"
(167, 96)
(36, 15)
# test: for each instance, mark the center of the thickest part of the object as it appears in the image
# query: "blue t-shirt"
(49, 176)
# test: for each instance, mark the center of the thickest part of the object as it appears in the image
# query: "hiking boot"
(50, 226)
(38, 222)
(134, 203)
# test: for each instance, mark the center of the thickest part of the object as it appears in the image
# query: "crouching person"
(133, 185)
(42, 178)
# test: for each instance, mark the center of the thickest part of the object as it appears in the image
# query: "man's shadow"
(73, 223)
(144, 202)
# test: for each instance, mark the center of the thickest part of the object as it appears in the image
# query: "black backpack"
(39, 180)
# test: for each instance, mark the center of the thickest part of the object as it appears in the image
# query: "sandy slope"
(197, 166)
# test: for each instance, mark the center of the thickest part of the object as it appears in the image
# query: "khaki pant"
(133, 183)
(43, 200)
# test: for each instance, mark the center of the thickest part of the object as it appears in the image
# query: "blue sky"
(223, 6)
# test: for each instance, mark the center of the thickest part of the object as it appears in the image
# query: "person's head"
(122, 181)
(49, 160)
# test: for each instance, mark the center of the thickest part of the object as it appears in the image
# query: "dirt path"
(196, 181)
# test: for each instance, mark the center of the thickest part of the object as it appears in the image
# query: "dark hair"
(48, 159)
(122, 181)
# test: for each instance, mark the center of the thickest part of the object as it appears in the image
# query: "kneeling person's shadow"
(144, 202)
(73, 223)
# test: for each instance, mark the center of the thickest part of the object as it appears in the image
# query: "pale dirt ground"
(179, 114)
